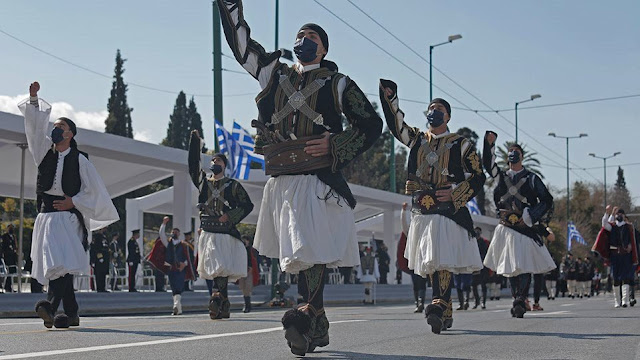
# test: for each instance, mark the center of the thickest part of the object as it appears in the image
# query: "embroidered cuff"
(344, 147)
(461, 195)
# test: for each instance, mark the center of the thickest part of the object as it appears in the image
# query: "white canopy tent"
(124, 165)
(377, 214)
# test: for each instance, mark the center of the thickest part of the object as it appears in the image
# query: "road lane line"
(150, 343)
(547, 313)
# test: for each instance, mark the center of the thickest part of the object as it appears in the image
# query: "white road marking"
(568, 305)
(547, 313)
(149, 343)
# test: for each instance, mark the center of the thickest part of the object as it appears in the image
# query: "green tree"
(195, 122)
(178, 129)
(118, 121)
(621, 196)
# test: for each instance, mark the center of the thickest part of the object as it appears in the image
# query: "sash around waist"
(47, 203)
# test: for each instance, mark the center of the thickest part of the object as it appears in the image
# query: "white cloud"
(84, 119)
(142, 136)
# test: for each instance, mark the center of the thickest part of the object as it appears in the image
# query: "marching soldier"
(516, 250)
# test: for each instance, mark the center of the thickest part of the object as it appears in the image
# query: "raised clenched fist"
(34, 88)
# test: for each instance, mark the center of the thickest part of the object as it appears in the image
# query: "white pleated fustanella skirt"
(298, 226)
(56, 247)
(436, 242)
(512, 253)
(221, 255)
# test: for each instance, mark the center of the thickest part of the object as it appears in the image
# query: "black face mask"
(435, 118)
(217, 169)
(619, 218)
(514, 157)
(10, 231)
(306, 50)
(174, 236)
(56, 135)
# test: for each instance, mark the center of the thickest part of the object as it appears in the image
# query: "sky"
(564, 50)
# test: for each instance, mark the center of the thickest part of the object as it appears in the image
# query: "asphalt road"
(567, 329)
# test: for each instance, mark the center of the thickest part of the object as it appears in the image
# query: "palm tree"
(530, 160)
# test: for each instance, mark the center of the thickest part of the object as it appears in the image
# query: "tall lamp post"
(449, 40)
(567, 138)
(605, 171)
(533, 97)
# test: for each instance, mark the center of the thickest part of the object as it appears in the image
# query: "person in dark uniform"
(189, 241)
(580, 277)
(383, 262)
(482, 277)
(133, 258)
(115, 255)
(9, 254)
(99, 259)
(551, 280)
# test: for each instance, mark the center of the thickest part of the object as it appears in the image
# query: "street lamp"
(605, 171)
(567, 138)
(533, 97)
(449, 40)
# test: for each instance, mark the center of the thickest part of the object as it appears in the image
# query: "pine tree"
(178, 130)
(195, 122)
(118, 121)
(621, 195)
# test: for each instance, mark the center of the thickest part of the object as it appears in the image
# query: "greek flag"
(227, 146)
(245, 140)
(473, 207)
(573, 233)
(238, 146)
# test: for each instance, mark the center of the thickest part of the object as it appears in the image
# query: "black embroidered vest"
(70, 173)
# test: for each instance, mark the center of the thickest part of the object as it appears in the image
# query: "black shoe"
(518, 311)
(133, 290)
(61, 321)
(475, 306)
(43, 309)
(491, 298)
(466, 306)
(497, 297)
(484, 306)
(461, 307)
(632, 302)
(74, 320)
(434, 314)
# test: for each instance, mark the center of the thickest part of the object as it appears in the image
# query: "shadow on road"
(136, 332)
(343, 355)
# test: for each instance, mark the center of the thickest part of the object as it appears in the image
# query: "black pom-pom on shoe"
(61, 321)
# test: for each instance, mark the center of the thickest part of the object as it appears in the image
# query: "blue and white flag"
(246, 141)
(238, 146)
(573, 234)
(227, 146)
(473, 207)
